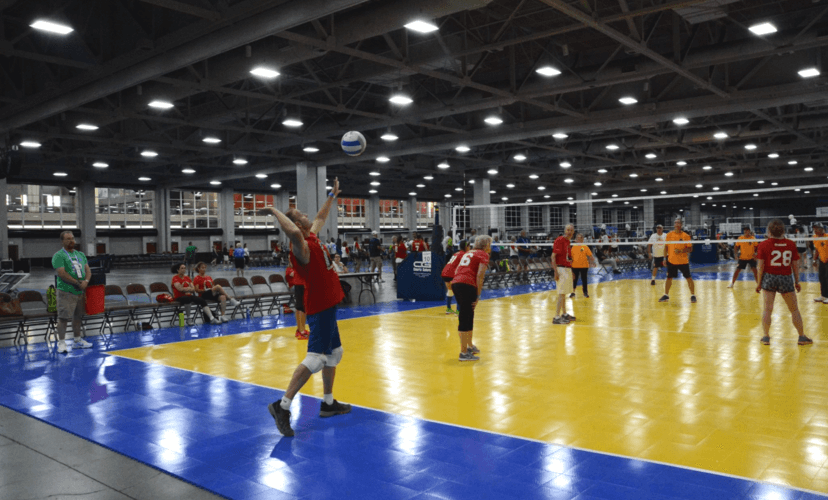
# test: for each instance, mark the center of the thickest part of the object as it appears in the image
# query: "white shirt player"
(657, 241)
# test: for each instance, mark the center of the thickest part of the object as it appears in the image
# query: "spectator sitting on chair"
(604, 260)
(183, 293)
(340, 269)
(495, 250)
(210, 292)
(523, 250)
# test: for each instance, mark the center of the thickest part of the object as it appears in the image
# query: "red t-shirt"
(292, 277)
(419, 246)
(322, 288)
(562, 252)
(468, 266)
(779, 255)
(185, 282)
(203, 283)
(399, 251)
(451, 267)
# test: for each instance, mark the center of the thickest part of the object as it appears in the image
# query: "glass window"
(555, 217)
(606, 216)
(40, 207)
(246, 208)
(351, 212)
(193, 209)
(535, 218)
(123, 208)
(573, 217)
(622, 217)
(391, 214)
(513, 218)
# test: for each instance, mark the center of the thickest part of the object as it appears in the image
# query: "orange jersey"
(821, 247)
(673, 255)
(580, 256)
(747, 250)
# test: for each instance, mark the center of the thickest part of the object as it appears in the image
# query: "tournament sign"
(418, 277)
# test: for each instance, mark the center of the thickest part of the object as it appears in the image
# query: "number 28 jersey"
(778, 254)
(468, 266)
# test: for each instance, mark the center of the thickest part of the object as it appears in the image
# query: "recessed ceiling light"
(626, 203)
(374, 173)
(86, 126)
(681, 163)
(264, 72)
(633, 175)
(211, 140)
(383, 159)
(505, 198)
(707, 167)
(650, 156)
(643, 190)
(533, 176)
(428, 177)
(658, 179)
(261, 176)
(602, 171)
(144, 179)
(412, 193)
(529, 200)
(492, 171)
(310, 149)
(559, 135)
(519, 157)
(594, 194)
(792, 162)
(240, 161)
(493, 120)
(809, 169)
(541, 188)
(388, 136)
(728, 174)
(760, 182)
(372, 191)
(612, 147)
(187, 171)
(215, 183)
(546, 196)
(774, 183)
(615, 196)
(510, 185)
(757, 194)
(773, 155)
(421, 26)
(664, 192)
(628, 100)
(60, 174)
(458, 189)
(100, 164)
(681, 121)
(716, 188)
(808, 72)
(569, 181)
(292, 122)
(763, 29)
(420, 185)
(750, 146)
(547, 71)
(720, 135)
(276, 186)
(149, 154)
(596, 184)
(609, 201)
(401, 99)
(444, 165)
(30, 144)
(375, 183)
(462, 149)
(60, 29)
(492, 191)
(565, 164)
(448, 196)
(161, 104)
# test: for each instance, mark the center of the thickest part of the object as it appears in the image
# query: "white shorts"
(564, 284)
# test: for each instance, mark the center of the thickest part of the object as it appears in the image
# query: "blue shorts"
(324, 332)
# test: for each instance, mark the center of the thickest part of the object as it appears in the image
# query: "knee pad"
(314, 362)
(450, 292)
(334, 357)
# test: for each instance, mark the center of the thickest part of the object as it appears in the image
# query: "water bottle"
(247, 313)
(180, 319)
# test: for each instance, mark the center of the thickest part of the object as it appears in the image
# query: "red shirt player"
(323, 292)
(448, 275)
(418, 245)
(468, 285)
(561, 263)
(776, 262)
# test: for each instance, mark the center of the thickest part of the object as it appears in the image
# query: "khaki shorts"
(564, 284)
(70, 307)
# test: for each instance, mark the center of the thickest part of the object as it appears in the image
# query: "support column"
(410, 213)
(311, 195)
(372, 206)
(227, 219)
(524, 218)
(86, 217)
(564, 216)
(281, 201)
(584, 212)
(481, 218)
(694, 216)
(4, 220)
(614, 217)
(649, 215)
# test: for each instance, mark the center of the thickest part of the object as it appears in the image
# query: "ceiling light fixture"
(161, 105)
(372, 191)
(569, 181)
(375, 183)
(565, 164)
(420, 185)
(763, 29)
(559, 135)
(60, 174)
(533, 176)
(633, 175)
(310, 149)
(547, 71)
(261, 176)
(421, 26)
(239, 161)
(750, 147)
(60, 29)
(462, 148)
(428, 177)
(602, 171)
(389, 136)
(211, 140)
(144, 179)
(681, 121)
(276, 186)
(373, 173)
(444, 165)
(681, 163)
(808, 72)
(149, 154)
(100, 164)
(707, 167)
(650, 156)
(264, 72)
(510, 186)
(628, 100)
(809, 169)
(401, 99)
(187, 171)
(658, 179)
(215, 183)
(383, 159)
(792, 162)
(412, 193)
(493, 120)
(292, 122)
(86, 126)
(773, 155)
(612, 147)
(596, 184)
(720, 135)
(30, 144)
(519, 157)
(492, 171)
(728, 174)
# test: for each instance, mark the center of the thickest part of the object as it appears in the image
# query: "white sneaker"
(61, 347)
(730, 285)
(215, 321)
(80, 343)
(234, 302)
(821, 299)
(224, 318)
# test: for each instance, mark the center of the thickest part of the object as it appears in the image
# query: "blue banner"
(418, 277)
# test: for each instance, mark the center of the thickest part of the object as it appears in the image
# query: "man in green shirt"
(73, 278)
(189, 256)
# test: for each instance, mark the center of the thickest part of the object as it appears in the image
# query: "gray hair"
(63, 233)
(482, 241)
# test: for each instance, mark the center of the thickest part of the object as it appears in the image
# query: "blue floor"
(217, 433)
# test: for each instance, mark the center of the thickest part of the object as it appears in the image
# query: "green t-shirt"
(74, 263)
(190, 251)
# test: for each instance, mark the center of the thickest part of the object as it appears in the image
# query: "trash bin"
(96, 292)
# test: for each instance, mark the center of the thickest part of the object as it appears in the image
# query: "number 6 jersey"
(778, 254)
(471, 261)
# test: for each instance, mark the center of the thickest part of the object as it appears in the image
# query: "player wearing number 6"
(776, 261)
(467, 286)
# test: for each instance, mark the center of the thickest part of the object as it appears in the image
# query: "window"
(40, 207)
(351, 212)
(536, 218)
(193, 209)
(513, 218)
(622, 217)
(391, 214)
(425, 214)
(246, 208)
(607, 216)
(555, 220)
(634, 216)
(573, 217)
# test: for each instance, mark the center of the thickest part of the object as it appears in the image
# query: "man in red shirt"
(562, 264)
(467, 286)
(418, 245)
(314, 265)
(400, 253)
(776, 262)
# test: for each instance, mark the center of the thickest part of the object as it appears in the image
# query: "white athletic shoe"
(730, 285)
(234, 302)
(61, 347)
(224, 318)
(821, 299)
(81, 344)
(215, 321)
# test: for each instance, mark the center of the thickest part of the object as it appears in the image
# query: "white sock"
(208, 312)
(285, 403)
(328, 399)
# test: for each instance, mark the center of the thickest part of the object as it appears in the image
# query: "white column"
(86, 217)
(410, 213)
(564, 215)
(649, 215)
(281, 201)
(4, 220)
(227, 219)
(694, 217)
(524, 218)
(372, 213)
(584, 212)
(311, 196)
(481, 218)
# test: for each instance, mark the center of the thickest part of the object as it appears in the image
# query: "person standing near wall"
(821, 261)
(73, 277)
(189, 258)
(238, 256)
(375, 251)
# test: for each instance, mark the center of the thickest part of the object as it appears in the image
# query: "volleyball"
(353, 143)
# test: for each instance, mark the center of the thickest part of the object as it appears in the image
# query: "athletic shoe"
(473, 349)
(336, 408)
(302, 335)
(664, 298)
(449, 310)
(765, 340)
(569, 318)
(215, 321)
(652, 282)
(803, 340)
(455, 312)
(234, 302)
(571, 295)
(467, 356)
(821, 299)
(282, 418)
(61, 347)
(560, 321)
(730, 285)
(616, 271)
(81, 344)
(586, 295)
(693, 299)
(224, 318)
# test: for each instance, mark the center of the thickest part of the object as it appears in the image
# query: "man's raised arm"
(322, 216)
(294, 234)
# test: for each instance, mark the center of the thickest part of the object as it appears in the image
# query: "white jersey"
(658, 244)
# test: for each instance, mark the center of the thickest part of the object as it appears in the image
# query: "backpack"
(51, 299)
(163, 298)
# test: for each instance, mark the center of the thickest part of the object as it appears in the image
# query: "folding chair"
(157, 289)
(245, 294)
(229, 288)
(116, 305)
(10, 325)
(144, 303)
(35, 315)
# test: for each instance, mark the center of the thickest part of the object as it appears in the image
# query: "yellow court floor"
(681, 383)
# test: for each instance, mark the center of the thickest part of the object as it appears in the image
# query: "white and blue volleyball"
(353, 143)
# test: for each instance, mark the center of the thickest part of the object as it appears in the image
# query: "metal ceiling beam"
(186, 9)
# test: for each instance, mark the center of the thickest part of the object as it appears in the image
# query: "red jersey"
(292, 277)
(468, 266)
(451, 267)
(203, 283)
(419, 246)
(185, 282)
(778, 254)
(322, 288)
(561, 250)
(400, 252)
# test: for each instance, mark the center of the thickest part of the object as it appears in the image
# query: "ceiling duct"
(706, 11)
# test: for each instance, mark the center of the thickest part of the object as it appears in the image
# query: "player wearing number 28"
(776, 261)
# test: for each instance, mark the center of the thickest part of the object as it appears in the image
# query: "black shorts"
(465, 295)
(239, 262)
(447, 280)
(673, 270)
(744, 263)
(658, 262)
(209, 295)
(778, 283)
(190, 260)
(299, 297)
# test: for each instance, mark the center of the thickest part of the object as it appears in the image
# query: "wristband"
(331, 194)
